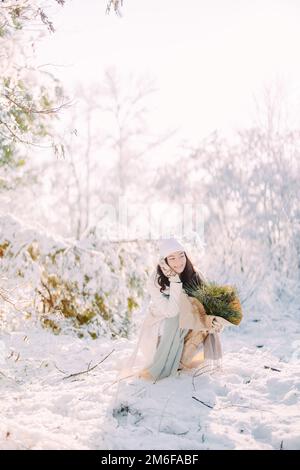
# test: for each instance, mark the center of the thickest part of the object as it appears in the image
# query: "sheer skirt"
(177, 349)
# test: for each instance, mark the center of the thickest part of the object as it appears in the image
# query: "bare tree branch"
(89, 368)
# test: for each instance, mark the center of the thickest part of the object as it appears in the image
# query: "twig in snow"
(60, 370)
(18, 357)
(281, 445)
(118, 381)
(272, 368)
(88, 369)
(203, 403)
(241, 406)
(140, 390)
(12, 354)
(202, 370)
(165, 406)
(229, 406)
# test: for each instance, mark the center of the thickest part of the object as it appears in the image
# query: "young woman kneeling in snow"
(172, 333)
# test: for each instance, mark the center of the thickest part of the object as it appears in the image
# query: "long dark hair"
(188, 275)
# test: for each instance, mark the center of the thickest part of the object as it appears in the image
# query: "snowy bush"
(87, 287)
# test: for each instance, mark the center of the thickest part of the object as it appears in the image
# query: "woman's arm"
(162, 306)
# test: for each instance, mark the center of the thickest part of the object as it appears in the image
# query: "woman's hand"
(169, 272)
(175, 278)
(216, 326)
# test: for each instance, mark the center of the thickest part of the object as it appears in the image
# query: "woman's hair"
(188, 275)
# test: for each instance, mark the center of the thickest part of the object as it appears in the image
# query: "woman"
(169, 340)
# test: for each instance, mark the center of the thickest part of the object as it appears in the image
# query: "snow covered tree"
(29, 97)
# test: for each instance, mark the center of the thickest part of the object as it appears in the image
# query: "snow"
(73, 259)
(245, 405)
(57, 394)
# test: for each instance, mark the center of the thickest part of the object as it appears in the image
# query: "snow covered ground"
(252, 403)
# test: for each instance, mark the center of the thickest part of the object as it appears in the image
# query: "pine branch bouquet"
(218, 300)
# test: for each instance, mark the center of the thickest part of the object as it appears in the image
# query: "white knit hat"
(169, 245)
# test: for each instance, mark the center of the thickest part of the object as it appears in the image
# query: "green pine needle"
(217, 300)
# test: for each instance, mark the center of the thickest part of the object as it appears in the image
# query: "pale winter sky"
(209, 57)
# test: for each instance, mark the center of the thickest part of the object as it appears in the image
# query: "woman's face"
(177, 261)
